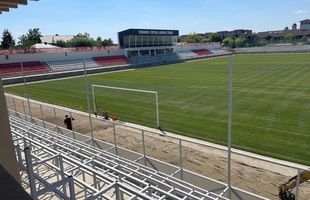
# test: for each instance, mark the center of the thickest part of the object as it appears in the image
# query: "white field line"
(184, 138)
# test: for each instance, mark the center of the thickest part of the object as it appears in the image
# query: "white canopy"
(43, 46)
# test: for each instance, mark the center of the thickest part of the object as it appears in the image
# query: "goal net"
(127, 104)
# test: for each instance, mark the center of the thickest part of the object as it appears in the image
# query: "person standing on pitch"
(68, 122)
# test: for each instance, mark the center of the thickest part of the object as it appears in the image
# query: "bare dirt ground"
(249, 174)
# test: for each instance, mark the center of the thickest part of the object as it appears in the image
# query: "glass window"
(132, 41)
(132, 53)
(144, 52)
(126, 42)
(160, 51)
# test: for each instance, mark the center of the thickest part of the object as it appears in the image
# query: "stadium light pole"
(26, 90)
(88, 103)
(229, 123)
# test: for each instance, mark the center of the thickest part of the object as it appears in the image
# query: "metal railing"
(183, 154)
(70, 169)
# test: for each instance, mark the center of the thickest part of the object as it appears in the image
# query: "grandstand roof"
(6, 5)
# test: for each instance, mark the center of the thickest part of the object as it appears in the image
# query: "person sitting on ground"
(68, 122)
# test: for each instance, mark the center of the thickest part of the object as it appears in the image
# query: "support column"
(7, 153)
(229, 123)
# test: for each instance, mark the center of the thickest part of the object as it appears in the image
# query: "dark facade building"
(224, 34)
(235, 33)
(278, 35)
(139, 42)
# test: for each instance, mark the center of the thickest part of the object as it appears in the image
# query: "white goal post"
(93, 86)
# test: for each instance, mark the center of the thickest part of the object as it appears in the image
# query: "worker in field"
(68, 121)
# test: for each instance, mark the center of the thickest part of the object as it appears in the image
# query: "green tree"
(240, 42)
(252, 40)
(205, 40)
(61, 43)
(304, 39)
(7, 40)
(24, 42)
(288, 38)
(98, 41)
(107, 42)
(215, 37)
(194, 38)
(30, 38)
(229, 42)
(82, 40)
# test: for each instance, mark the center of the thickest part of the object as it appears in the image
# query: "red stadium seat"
(14, 69)
(112, 60)
(202, 52)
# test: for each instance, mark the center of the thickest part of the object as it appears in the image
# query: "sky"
(105, 18)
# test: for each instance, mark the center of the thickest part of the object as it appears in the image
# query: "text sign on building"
(153, 32)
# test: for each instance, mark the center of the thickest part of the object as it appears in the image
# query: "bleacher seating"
(14, 69)
(175, 57)
(158, 59)
(187, 55)
(218, 51)
(112, 60)
(202, 52)
(66, 65)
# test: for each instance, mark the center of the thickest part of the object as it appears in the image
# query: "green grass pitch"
(271, 100)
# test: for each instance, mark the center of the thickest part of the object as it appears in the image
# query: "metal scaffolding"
(54, 164)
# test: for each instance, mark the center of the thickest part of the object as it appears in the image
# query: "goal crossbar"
(130, 90)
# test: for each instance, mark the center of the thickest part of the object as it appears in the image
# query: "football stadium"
(155, 117)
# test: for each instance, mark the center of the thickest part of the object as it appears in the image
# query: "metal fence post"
(14, 104)
(229, 124)
(157, 109)
(181, 159)
(88, 103)
(143, 147)
(94, 100)
(115, 141)
(54, 112)
(30, 172)
(42, 116)
(24, 109)
(26, 90)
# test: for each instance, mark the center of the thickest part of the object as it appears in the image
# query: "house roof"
(49, 39)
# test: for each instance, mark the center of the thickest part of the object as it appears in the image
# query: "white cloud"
(300, 12)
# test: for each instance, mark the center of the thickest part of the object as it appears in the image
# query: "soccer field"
(271, 100)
